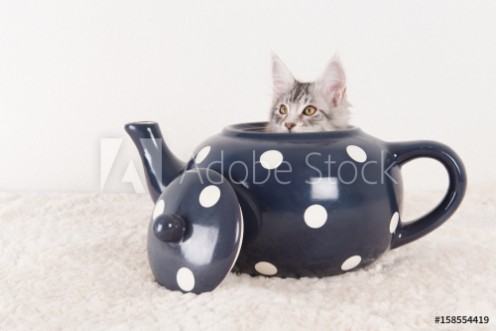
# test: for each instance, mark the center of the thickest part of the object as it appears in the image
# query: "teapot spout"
(160, 164)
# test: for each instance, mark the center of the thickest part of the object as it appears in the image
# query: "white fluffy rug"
(78, 262)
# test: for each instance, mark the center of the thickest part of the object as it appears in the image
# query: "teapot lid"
(195, 232)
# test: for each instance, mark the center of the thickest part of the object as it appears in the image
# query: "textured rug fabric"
(78, 262)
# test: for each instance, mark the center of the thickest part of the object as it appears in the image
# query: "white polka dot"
(356, 153)
(351, 262)
(266, 268)
(159, 208)
(271, 159)
(185, 279)
(209, 196)
(315, 216)
(202, 154)
(394, 222)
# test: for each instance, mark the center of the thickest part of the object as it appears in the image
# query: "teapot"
(281, 204)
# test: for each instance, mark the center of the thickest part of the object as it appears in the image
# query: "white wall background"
(73, 72)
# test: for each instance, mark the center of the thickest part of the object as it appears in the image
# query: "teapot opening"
(259, 130)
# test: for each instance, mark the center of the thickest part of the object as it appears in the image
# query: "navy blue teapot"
(281, 204)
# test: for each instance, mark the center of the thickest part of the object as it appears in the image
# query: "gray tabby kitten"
(309, 107)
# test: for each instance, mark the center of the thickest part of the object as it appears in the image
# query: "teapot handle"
(407, 151)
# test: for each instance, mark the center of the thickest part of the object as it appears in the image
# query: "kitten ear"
(332, 83)
(282, 79)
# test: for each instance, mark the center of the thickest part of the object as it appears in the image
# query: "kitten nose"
(290, 125)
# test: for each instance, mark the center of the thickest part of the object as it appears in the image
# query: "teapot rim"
(256, 130)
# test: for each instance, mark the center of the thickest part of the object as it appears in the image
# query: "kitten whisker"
(312, 106)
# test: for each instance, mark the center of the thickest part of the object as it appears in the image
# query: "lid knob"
(169, 228)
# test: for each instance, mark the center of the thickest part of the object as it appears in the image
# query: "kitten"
(309, 107)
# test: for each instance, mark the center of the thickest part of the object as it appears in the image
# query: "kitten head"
(309, 107)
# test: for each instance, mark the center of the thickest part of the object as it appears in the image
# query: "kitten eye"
(309, 110)
(283, 110)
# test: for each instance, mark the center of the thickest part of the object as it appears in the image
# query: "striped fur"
(327, 95)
